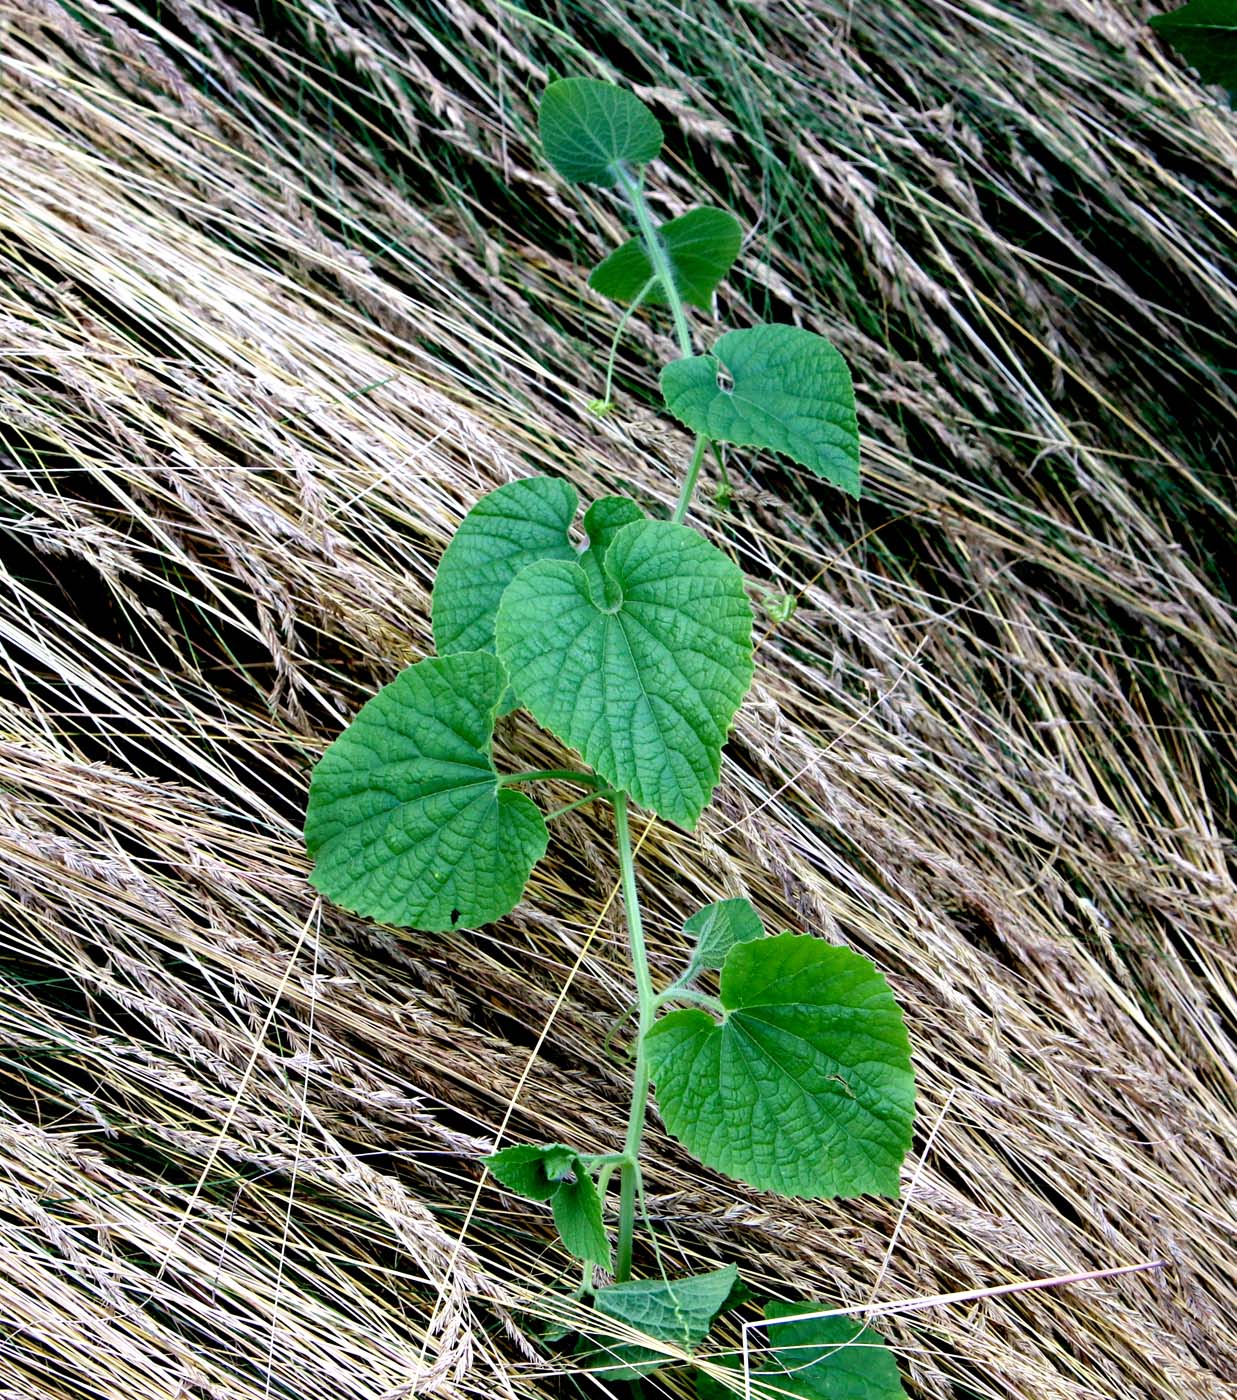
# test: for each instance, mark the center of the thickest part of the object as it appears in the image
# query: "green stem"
(656, 250)
(571, 775)
(630, 1178)
(686, 994)
(571, 806)
(664, 274)
(689, 481)
(595, 1161)
(618, 331)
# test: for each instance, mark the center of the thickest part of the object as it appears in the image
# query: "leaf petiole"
(596, 1161)
(679, 993)
(723, 495)
(579, 802)
(656, 251)
(618, 332)
(689, 481)
(534, 775)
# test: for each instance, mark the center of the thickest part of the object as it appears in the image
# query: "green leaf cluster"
(701, 247)
(555, 1173)
(590, 130)
(634, 648)
(630, 639)
(641, 666)
(717, 928)
(678, 1311)
(769, 386)
(777, 387)
(407, 821)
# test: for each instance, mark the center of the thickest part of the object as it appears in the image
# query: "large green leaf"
(701, 246)
(1204, 32)
(588, 128)
(406, 821)
(506, 531)
(806, 1087)
(827, 1358)
(718, 927)
(679, 1311)
(554, 1173)
(776, 387)
(645, 678)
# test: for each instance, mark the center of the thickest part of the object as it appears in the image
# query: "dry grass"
(278, 301)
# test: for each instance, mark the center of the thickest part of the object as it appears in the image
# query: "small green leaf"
(554, 1173)
(644, 679)
(589, 127)
(680, 1311)
(532, 1171)
(718, 927)
(776, 387)
(406, 822)
(1204, 32)
(577, 1213)
(605, 518)
(701, 246)
(806, 1087)
(827, 1358)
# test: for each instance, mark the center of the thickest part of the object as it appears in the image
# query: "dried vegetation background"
(284, 289)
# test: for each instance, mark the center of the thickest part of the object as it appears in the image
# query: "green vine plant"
(635, 650)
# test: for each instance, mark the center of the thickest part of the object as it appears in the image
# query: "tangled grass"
(284, 288)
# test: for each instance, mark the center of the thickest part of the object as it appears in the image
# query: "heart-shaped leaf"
(407, 822)
(776, 387)
(679, 1311)
(718, 927)
(701, 246)
(554, 1173)
(644, 679)
(588, 128)
(506, 531)
(806, 1087)
(827, 1358)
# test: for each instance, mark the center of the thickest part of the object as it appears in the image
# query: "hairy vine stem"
(630, 1177)
(689, 481)
(663, 273)
(656, 249)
